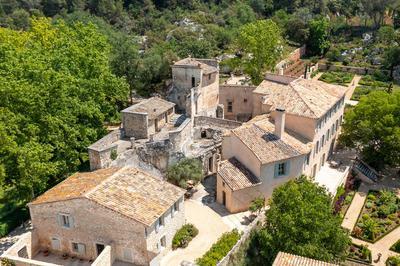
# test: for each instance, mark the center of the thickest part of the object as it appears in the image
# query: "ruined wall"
(217, 122)
(181, 135)
(156, 153)
(100, 151)
(135, 125)
(208, 96)
(242, 101)
(102, 226)
(292, 57)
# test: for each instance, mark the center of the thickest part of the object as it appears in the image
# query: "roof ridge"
(299, 94)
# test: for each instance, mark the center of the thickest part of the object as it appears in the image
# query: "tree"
(318, 41)
(391, 59)
(185, 170)
(257, 205)
(262, 45)
(387, 35)
(57, 91)
(373, 127)
(300, 221)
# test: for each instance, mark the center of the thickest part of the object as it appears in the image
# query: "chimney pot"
(279, 122)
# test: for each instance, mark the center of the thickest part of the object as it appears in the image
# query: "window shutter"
(81, 248)
(71, 221)
(59, 220)
(276, 169)
(287, 167)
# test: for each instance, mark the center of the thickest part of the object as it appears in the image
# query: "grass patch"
(335, 77)
(219, 249)
(379, 216)
(184, 235)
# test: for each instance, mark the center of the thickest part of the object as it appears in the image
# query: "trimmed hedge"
(396, 247)
(12, 220)
(219, 249)
(184, 235)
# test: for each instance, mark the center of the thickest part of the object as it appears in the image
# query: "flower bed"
(219, 249)
(379, 215)
(334, 77)
(184, 235)
(359, 253)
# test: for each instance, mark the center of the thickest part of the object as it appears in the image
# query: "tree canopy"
(262, 46)
(300, 221)
(57, 91)
(373, 126)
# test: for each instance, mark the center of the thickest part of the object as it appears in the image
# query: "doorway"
(99, 248)
(224, 198)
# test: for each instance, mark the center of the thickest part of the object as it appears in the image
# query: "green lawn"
(370, 83)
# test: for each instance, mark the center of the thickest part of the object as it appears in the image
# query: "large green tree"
(318, 41)
(373, 127)
(300, 221)
(262, 45)
(56, 92)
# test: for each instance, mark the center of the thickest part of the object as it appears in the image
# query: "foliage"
(184, 235)
(7, 262)
(13, 219)
(57, 91)
(113, 154)
(300, 221)
(373, 126)
(393, 260)
(360, 252)
(318, 40)
(396, 246)
(378, 217)
(262, 46)
(185, 170)
(257, 205)
(333, 77)
(219, 249)
(391, 58)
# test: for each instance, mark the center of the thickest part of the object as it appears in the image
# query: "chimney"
(279, 122)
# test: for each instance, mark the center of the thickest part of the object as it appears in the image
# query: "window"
(163, 242)
(65, 220)
(328, 134)
(159, 223)
(281, 169)
(230, 106)
(193, 82)
(78, 248)
(308, 159)
(223, 183)
(323, 140)
(55, 243)
(209, 76)
(245, 100)
(175, 208)
(316, 148)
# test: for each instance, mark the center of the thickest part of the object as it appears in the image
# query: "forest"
(68, 66)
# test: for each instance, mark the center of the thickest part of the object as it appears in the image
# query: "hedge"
(219, 249)
(184, 235)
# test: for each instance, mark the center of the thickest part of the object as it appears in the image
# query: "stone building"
(195, 87)
(294, 130)
(114, 216)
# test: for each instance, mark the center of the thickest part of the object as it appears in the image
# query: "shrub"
(184, 235)
(392, 216)
(365, 216)
(257, 204)
(184, 170)
(396, 246)
(393, 261)
(219, 249)
(371, 197)
(113, 155)
(6, 262)
(368, 205)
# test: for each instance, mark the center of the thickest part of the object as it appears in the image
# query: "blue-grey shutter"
(276, 169)
(287, 168)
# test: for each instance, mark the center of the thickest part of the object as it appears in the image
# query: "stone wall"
(105, 258)
(102, 226)
(100, 151)
(181, 135)
(135, 124)
(292, 57)
(217, 122)
(351, 69)
(241, 98)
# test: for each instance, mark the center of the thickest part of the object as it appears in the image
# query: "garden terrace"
(379, 216)
(359, 253)
(370, 83)
(335, 77)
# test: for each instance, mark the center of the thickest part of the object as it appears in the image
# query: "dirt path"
(352, 86)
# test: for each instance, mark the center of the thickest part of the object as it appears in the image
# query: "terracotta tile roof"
(207, 69)
(236, 175)
(286, 259)
(259, 137)
(153, 106)
(303, 97)
(75, 186)
(137, 195)
(128, 191)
